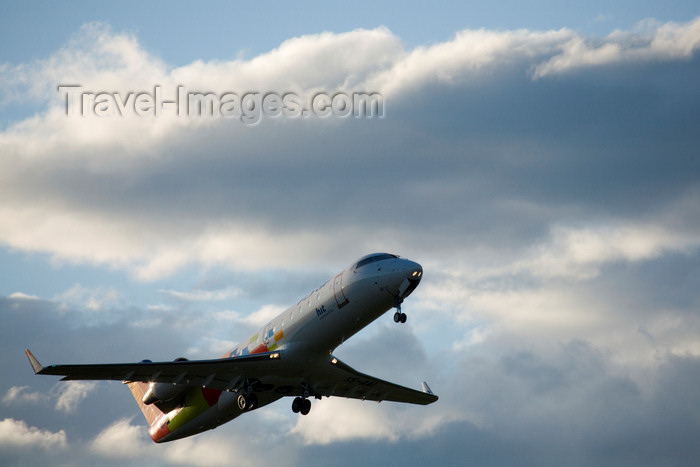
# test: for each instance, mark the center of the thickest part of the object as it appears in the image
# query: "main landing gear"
(247, 401)
(399, 316)
(301, 405)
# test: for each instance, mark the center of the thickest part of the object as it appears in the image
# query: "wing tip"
(428, 391)
(36, 366)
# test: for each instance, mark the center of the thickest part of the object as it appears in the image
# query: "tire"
(305, 406)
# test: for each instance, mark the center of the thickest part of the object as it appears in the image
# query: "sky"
(541, 162)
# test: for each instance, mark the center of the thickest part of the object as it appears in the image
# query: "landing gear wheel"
(399, 317)
(247, 402)
(305, 406)
(403, 317)
(302, 406)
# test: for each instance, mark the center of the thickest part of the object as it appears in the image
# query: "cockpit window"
(373, 258)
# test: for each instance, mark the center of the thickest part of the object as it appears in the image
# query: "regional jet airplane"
(289, 356)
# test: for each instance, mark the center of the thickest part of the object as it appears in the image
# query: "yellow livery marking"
(195, 405)
(279, 335)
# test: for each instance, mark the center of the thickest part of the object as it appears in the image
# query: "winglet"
(426, 388)
(36, 366)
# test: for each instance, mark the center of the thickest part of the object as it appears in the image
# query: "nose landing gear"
(399, 316)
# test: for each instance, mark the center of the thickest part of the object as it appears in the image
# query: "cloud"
(210, 449)
(667, 41)
(22, 296)
(582, 252)
(16, 433)
(342, 420)
(94, 299)
(203, 295)
(263, 315)
(22, 395)
(143, 194)
(546, 180)
(111, 441)
(71, 393)
(67, 395)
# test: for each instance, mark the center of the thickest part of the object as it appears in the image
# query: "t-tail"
(152, 413)
(164, 417)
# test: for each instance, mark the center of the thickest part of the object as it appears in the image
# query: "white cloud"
(214, 450)
(111, 441)
(16, 433)
(203, 295)
(94, 299)
(22, 394)
(664, 42)
(71, 393)
(343, 420)
(338, 419)
(263, 315)
(22, 296)
(152, 196)
(469, 56)
(209, 449)
(555, 291)
(581, 252)
(101, 224)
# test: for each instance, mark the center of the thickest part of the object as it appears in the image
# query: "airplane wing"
(222, 373)
(326, 378)
(339, 379)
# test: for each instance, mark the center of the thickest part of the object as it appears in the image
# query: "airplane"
(292, 355)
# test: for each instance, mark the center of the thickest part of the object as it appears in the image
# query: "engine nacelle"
(162, 392)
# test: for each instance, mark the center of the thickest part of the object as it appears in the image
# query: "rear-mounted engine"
(163, 392)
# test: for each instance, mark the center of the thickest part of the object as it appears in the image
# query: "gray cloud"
(477, 147)
(547, 182)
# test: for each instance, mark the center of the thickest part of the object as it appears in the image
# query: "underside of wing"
(339, 379)
(223, 374)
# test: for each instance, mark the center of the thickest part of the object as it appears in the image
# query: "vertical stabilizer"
(151, 412)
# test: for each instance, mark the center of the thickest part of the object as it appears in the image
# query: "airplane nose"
(415, 274)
